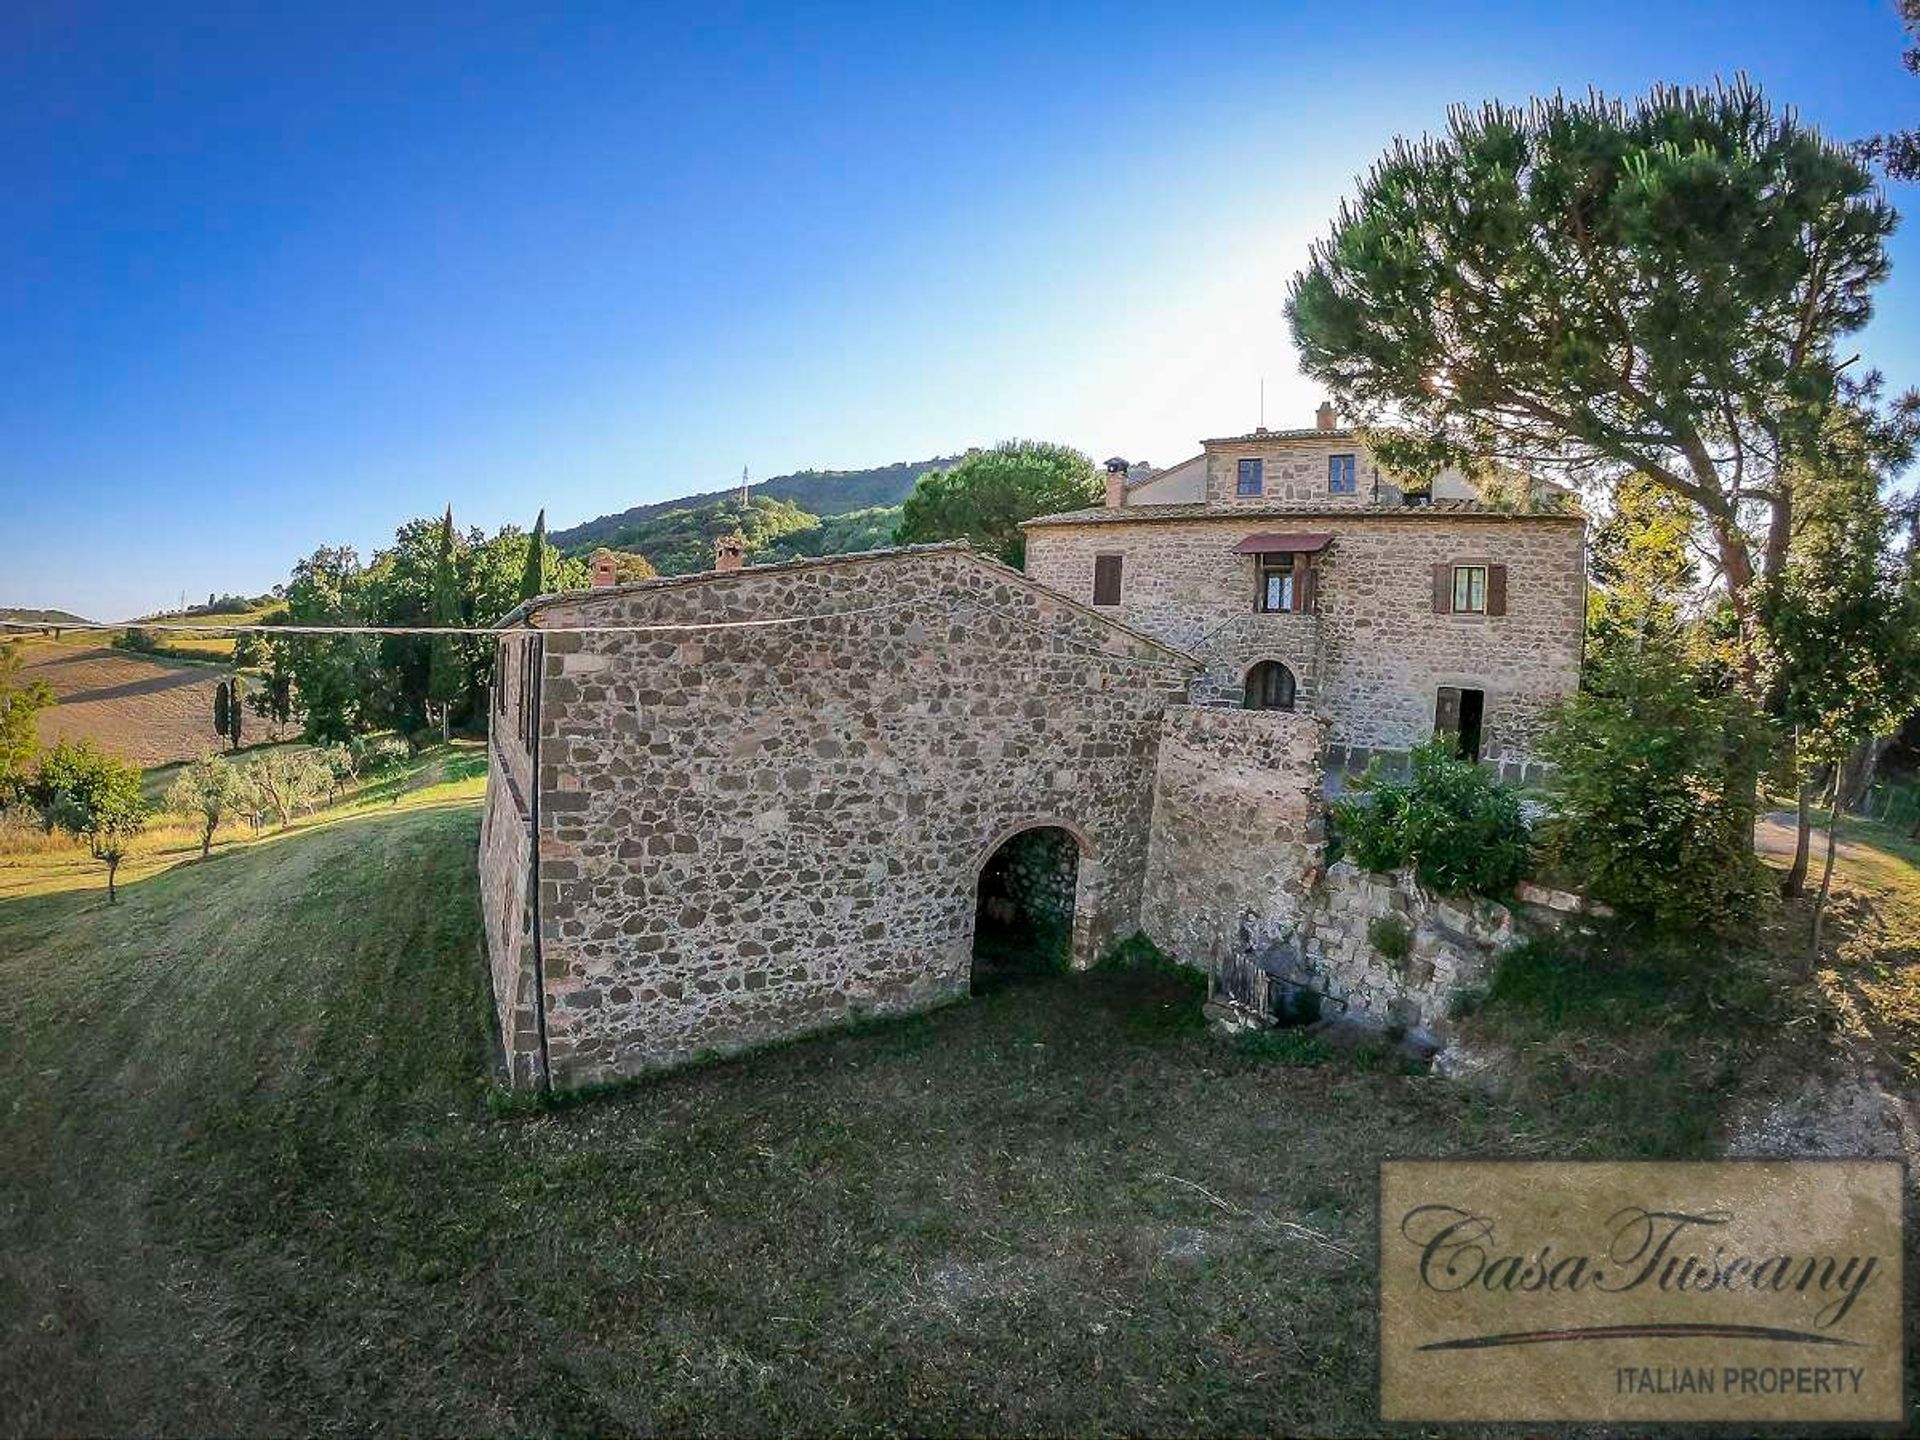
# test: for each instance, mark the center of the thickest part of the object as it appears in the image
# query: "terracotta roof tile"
(1198, 510)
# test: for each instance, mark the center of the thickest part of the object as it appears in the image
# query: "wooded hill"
(811, 512)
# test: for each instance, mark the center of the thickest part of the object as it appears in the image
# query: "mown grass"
(254, 1183)
(33, 862)
(1869, 970)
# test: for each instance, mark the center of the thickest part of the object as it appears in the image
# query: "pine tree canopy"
(1588, 288)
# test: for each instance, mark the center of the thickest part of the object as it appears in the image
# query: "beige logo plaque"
(1766, 1291)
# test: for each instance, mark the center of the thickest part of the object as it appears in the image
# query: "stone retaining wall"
(1235, 885)
(1453, 944)
(1238, 830)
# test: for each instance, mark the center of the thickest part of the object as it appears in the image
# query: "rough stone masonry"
(706, 838)
(728, 808)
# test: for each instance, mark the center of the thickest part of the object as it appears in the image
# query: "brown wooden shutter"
(1302, 583)
(1443, 589)
(1106, 579)
(1496, 589)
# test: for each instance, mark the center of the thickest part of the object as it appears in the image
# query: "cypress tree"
(234, 712)
(534, 581)
(446, 677)
(222, 707)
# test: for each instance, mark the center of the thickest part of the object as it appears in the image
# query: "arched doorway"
(1270, 686)
(1024, 906)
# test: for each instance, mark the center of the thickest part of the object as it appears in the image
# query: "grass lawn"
(254, 1183)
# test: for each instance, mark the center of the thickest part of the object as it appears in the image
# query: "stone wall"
(506, 903)
(1238, 831)
(1373, 656)
(1453, 943)
(1294, 470)
(1235, 885)
(750, 832)
(506, 865)
(1039, 872)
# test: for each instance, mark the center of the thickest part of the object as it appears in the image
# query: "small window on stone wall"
(529, 707)
(1269, 687)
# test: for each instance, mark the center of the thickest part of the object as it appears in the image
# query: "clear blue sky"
(267, 283)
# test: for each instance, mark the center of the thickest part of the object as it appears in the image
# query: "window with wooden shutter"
(529, 716)
(1277, 590)
(1106, 579)
(1469, 590)
(1496, 589)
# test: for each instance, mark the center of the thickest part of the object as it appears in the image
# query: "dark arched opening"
(1269, 686)
(1023, 915)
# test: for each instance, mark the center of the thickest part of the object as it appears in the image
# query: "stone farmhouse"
(736, 806)
(1304, 578)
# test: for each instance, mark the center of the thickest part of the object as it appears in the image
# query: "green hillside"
(821, 493)
(40, 617)
(679, 540)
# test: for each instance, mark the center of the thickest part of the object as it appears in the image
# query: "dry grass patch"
(144, 710)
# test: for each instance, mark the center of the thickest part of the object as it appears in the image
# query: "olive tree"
(208, 791)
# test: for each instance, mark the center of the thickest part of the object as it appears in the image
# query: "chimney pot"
(1324, 415)
(1116, 483)
(729, 552)
(605, 571)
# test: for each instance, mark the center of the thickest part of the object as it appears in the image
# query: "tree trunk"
(1779, 535)
(113, 867)
(206, 839)
(1736, 568)
(1826, 870)
(1796, 881)
(1850, 781)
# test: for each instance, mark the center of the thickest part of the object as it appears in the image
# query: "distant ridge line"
(819, 492)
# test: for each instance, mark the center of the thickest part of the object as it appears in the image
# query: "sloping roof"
(1269, 542)
(1201, 510)
(524, 614)
(1312, 432)
(1134, 482)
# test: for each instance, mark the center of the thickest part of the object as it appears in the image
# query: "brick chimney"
(1116, 483)
(1323, 417)
(730, 552)
(605, 570)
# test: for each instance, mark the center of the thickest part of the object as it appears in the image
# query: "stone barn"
(730, 807)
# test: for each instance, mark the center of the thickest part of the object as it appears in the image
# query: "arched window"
(1269, 686)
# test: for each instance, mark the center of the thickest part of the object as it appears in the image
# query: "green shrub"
(376, 753)
(1137, 952)
(1390, 936)
(1654, 792)
(1460, 829)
